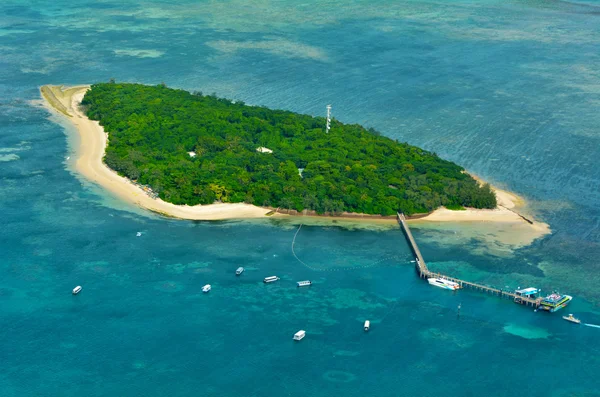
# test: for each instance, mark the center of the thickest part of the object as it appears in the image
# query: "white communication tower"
(328, 119)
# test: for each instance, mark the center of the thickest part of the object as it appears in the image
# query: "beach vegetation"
(455, 207)
(152, 129)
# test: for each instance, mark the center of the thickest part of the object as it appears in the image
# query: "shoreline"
(65, 101)
(89, 163)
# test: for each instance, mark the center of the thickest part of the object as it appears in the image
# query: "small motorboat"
(572, 319)
(239, 271)
(304, 283)
(300, 335)
(367, 325)
(138, 234)
(206, 288)
(77, 290)
(270, 279)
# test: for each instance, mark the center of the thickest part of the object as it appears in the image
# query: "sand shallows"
(93, 140)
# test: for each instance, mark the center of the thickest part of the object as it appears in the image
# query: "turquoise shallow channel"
(508, 89)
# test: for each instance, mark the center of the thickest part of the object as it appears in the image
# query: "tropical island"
(191, 149)
(163, 160)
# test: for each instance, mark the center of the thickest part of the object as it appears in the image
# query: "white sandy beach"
(93, 141)
(506, 202)
(89, 163)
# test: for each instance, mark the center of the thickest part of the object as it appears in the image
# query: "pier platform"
(424, 272)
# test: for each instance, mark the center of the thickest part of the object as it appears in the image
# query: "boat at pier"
(530, 292)
(239, 271)
(572, 319)
(270, 279)
(305, 283)
(554, 302)
(443, 283)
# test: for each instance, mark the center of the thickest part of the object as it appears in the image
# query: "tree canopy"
(152, 129)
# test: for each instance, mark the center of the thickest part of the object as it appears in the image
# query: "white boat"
(300, 335)
(270, 279)
(304, 283)
(572, 319)
(443, 283)
(206, 288)
(239, 271)
(367, 325)
(77, 290)
(138, 234)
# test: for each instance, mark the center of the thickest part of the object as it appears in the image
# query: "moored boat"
(443, 283)
(300, 335)
(572, 319)
(270, 279)
(239, 271)
(77, 290)
(206, 288)
(530, 292)
(304, 283)
(554, 302)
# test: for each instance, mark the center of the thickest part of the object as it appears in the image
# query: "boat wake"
(592, 325)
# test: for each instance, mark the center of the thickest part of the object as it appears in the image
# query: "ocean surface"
(508, 89)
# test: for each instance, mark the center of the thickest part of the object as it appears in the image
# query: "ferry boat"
(572, 319)
(300, 335)
(443, 283)
(239, 271)
(555, 302)
(77, 290)
(305, 283)
(270, 279)
(206, 288)
(367, 325)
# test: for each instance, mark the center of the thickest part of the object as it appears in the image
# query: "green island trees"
(153, 129)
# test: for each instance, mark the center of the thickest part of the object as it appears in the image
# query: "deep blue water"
(510, 90)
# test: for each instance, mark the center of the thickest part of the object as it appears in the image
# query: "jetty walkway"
(425, 273)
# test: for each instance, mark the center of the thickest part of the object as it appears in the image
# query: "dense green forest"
(152, 129)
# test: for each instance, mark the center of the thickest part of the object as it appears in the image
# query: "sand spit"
(93, 141)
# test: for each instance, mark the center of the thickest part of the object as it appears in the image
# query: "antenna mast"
(328, 119)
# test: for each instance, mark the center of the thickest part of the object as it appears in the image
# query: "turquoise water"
(510, 90)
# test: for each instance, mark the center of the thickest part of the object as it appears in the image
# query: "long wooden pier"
(424, 272)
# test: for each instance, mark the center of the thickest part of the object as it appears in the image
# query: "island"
(195, 156)
(190, 149)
